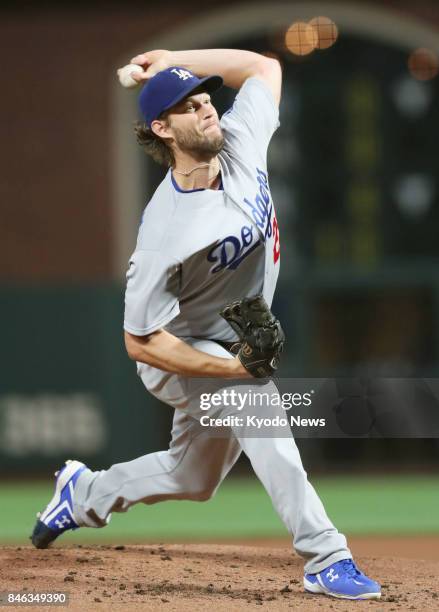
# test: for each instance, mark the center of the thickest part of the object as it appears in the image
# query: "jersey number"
(276, 244)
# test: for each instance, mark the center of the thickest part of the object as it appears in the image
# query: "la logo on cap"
(182, 74)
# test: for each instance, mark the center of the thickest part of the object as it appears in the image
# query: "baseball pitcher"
(200, 284)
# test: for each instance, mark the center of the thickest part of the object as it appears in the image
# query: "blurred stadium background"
(354, 172)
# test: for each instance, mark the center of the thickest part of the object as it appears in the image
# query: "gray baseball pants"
(198, 460)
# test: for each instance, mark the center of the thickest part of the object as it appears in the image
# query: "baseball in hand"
(124, 74)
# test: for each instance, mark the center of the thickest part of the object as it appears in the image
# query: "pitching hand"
(151, 62)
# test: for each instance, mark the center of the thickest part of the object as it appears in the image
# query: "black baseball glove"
(261, 335)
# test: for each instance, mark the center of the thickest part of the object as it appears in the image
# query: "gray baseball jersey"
(198, 250)
(195, 252)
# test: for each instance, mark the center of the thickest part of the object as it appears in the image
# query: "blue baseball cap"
(169, 87)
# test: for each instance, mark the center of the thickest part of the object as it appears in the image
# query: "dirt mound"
(195, 577)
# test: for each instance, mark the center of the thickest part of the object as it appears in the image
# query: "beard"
(199, 143)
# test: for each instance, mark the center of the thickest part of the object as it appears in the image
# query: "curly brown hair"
(153, 145)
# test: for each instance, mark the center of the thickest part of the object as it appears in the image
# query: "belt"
(232, 347)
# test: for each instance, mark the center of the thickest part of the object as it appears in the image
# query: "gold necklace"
(206, 165)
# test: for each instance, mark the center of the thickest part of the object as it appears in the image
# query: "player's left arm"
(235, 66)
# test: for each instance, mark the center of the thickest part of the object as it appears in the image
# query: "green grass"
(242, 509)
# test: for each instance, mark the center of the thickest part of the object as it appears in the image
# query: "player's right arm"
(152, 302)
(166, 352)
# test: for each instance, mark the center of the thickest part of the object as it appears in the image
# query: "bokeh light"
(414, 194)
(423, 64)
(301, 38)
(412, 98)
(326, 30)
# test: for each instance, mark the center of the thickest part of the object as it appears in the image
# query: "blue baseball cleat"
(58, 514)
(344, 580)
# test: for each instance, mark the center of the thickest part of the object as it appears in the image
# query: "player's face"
(194, 125)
